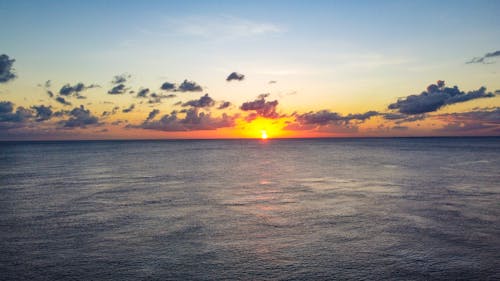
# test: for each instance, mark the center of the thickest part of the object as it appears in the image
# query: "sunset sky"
(227, 69)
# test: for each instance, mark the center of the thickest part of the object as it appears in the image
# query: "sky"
(226, 69)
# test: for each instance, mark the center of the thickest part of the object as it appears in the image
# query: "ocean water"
(328, 209)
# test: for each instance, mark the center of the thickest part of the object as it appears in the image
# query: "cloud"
(129, 109)
(118, 89)
(189, 86)
(436, 97)
(63, 101)
(75, 90)
(7, 113)
(143, 93)
(42, 112)
(167, 86)
(152, 114)
(6, 71)
(262, 107)
(185, 86)
(224, 104)
(478, 122)
(203, 101)
(325, 117)
(484, 58)
(122, 78)
(272, 82)
(403, 118)
(194, 120)
(400, 128)
(157, 98)
(235, 76)
(80, 118)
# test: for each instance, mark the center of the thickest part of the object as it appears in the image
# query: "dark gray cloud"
(203, 101)
(152, 114)
(7, 113)
(436, 96)
(80, 118)
(129, 109)
(262, 107)
(6, 107)
(194, 120)
(122, 78)
(325, 117)
(43, 112)
(143, 93)
(118, 89)
(157, 98)
(6, 71)
(235, 76)
(477, 122)
(109, 113)
(75, 90)
(62, 100)
(224, 104)
(400, 118)
(484, 59)
(167, 86)
(189, 86)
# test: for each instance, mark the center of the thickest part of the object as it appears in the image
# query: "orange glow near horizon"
(263, 134)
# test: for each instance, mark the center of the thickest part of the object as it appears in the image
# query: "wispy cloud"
(221, 26)
(485, 59)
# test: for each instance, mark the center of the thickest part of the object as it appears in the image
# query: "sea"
(296, 209)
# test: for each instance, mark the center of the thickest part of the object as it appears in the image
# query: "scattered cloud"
(478, 122)
(109, 113)
(193, 120)
(167, 86)
(325, 117)
(8, 115)
(118, 89)
(484, 59)
(129, 109)
(261, 107)
(43, 112)
(152, 114)
(235, 76)
(62, 101)
(80, 118)
(6, 71)
(75, 90)
(189, 86)
(143, 93)
(224, 104)
(157, 98)
(203, 101)
(122, 78)
(436, 97)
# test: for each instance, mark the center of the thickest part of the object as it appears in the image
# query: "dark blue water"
(372, 209)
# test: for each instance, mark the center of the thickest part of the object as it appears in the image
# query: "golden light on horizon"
(263, 135)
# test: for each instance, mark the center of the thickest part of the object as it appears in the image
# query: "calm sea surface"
(363, 209)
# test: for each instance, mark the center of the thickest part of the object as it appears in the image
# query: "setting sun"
(263, 135)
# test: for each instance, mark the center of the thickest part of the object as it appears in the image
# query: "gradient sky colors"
(220, 69)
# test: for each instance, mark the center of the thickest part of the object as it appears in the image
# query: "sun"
(263, 135)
